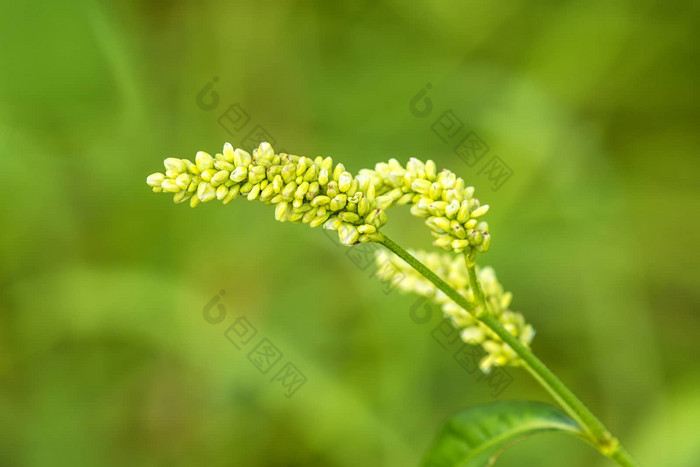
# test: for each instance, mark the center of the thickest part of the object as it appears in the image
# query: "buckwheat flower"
(311, 191)
(449, 208)
(453, 270)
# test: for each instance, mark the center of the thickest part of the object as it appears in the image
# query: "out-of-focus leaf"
(475, 437)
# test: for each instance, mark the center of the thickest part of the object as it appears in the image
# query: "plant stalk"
(596, 433)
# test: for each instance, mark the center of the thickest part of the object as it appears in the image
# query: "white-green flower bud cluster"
(313, 191)
(441, 198)
(453, 270)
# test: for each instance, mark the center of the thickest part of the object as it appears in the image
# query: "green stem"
(594, 429)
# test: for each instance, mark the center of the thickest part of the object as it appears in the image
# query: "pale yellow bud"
(204, 161)
(155, 179)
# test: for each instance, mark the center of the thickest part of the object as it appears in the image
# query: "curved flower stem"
(595, 431)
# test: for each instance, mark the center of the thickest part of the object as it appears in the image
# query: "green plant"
(319, 192)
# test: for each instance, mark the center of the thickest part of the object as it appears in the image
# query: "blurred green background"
(105, 356)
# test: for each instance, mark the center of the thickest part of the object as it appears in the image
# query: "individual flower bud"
(459, 245)
(437, 208)
(408, 179)
(435, 191)
(404, 199)
(350, 217)
(314, 189)
(320, 201)
(486, 242)
(223, 165)
(267, 193)
(246, 187)
(417, 211)
(310, 174)
(309, 216)
(238, 175)
(181, 197)
(170, 186)
(327, 163)
(289, 173)
(443, 241)
(254, 192)
(172, 163)
(301, 190)
(219, 177)
(363, 206)
(480, 211)
(339, 169)
(463, 213)
(277, 184)
(380, 220)
(447, 179)
(281, 211)
(241, 158)
(264, 154)
(155, 179)
(366, 229)
(384, 202)
(207, 174)
(475, 237)
(204, 161)
(289, 189)
(257, 174)
(420, 185)
(338, 202)
(221, 192)
(332, 224)
(344, 181)
(443, 223)
(457, 230)
(451, 209)
(301, 166)
(183, 181)
(296, 216)
(430, 170)
(206, 192)
(371, 216)
(229, 153)
(348, 234)
(323, 177)
(320, 219)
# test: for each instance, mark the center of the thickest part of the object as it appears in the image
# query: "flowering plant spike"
(320, 192)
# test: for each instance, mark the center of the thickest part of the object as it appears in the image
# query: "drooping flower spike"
(312, 191)
(319, 192)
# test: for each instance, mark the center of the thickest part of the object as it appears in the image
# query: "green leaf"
(476, 436)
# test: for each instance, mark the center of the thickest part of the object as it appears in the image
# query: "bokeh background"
(105, 356)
